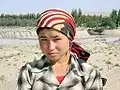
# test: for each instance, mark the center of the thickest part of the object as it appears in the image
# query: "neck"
(61, 67)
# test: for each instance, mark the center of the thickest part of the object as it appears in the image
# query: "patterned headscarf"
(62, 21)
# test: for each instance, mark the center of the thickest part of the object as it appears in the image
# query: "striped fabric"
(62, 21)
(57, 19)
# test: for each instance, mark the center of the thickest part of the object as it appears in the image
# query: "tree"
(79, 23)
(2, 15)
(79, 12)
(114, 16)
(92, 24)
(108, 23)
(118, 18)
(75, 15)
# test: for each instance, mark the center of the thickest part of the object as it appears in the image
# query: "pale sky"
(29, 6)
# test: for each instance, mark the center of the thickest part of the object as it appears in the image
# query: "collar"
(76, 67)
(44, 64)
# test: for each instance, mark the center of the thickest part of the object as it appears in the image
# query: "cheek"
(43, 47)
(64, 45)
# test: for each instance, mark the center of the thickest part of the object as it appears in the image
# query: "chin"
(54, 58)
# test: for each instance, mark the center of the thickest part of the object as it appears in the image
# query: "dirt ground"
(105, 56)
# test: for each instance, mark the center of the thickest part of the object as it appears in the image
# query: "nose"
(51, 46)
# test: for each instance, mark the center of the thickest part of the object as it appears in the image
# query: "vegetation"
(96, 22)
(18, 20)
(111, 21)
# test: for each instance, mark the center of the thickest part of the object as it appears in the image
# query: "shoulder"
(89, 71)
(82, 66)
(36, 65)
(29, 70)
(85, 67)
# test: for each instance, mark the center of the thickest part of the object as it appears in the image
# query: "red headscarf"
(62, 21)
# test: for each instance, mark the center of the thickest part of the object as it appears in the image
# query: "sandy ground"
(105, 56)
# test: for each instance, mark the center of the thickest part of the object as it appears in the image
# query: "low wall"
(14, 33)
(112, 32)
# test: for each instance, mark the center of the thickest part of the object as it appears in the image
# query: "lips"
(52, 54)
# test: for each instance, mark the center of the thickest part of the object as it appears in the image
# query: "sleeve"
(24, 79)
(94, 82)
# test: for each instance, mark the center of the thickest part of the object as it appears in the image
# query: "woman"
(63, 65)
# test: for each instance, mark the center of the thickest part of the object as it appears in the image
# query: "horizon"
(83, 13)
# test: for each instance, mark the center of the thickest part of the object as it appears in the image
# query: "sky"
(35, 6)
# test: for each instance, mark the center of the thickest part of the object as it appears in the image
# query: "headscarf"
(62, 21)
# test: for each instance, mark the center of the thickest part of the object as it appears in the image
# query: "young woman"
(63, 65)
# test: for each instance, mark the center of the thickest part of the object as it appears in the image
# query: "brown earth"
(105, 56)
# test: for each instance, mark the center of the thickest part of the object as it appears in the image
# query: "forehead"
(50, 32)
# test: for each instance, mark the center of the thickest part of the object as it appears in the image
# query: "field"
(19, 45)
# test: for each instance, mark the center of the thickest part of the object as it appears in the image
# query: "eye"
(43, 39)
(56, 39)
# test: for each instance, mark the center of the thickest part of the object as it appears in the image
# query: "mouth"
(52, 54)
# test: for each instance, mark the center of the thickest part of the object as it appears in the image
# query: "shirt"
(38, 75)
(60, 79)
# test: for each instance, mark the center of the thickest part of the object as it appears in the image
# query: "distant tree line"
(22, 20)
(97, 22)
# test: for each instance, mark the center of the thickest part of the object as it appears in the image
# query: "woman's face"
(53, 44)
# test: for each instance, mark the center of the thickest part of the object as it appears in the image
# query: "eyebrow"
(51, 36)
(42, 37)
